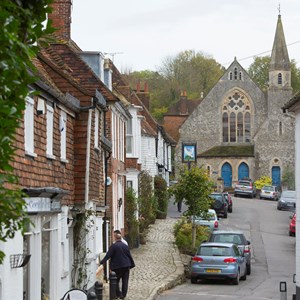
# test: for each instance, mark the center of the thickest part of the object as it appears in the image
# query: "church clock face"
(236, 118)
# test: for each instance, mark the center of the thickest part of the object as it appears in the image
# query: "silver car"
(210, 221)
(287, 200)
(269, 192)
(218, 261)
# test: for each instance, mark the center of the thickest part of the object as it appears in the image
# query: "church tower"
(280, 68)
(279, 73)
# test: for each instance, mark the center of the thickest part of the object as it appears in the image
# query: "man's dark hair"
(117, 231)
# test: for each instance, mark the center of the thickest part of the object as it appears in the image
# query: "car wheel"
(225, 215)
(235, 195)
(251, 196)
(193, 280)
(278, 207)
(260, 197)
(236, 280)
(248, 269)
(244, 277)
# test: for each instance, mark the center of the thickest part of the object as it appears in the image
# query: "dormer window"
(279, 78)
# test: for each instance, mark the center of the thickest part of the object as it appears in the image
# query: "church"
(240, 131)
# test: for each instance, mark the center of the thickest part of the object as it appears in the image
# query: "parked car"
(236, 237)
(229, 201)
(219, 204)
(292, 227)
(245, 187)
(218, 261)
(211, 221)
(287, 200)
(269, 192)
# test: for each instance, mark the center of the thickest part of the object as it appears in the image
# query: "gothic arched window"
(279, 78)
(230, 76)
(236, 119)
(235, 73)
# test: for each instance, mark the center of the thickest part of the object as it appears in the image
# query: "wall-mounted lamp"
(19, 260)
(120, 202)
(40, 106)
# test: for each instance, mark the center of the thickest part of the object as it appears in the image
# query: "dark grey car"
(236, 237)
(287, 200)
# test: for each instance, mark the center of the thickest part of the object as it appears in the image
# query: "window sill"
(64, 160)
(50, 156)
(31, 154)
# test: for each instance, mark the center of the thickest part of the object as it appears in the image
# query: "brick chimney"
(183, 110)
(144, 95)
(61, 18)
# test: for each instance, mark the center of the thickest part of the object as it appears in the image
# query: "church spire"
(280, 69)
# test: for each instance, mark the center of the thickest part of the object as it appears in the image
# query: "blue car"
(218, 261)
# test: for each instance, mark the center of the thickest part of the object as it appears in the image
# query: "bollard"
(112, 286)
(99, 290)
(282, 289)
(91, 296)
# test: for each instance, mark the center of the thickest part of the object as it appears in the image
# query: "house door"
(276, 176)
(243, 171)
(227, 174)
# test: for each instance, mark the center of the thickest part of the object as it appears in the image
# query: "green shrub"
(162, 197)
(183, 236)
(264, 180)
(132, 224)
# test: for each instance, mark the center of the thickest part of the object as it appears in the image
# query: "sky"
(140, 34)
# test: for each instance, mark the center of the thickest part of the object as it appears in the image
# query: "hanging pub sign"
(189, 152)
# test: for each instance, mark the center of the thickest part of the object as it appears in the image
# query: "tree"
(22, 26)
(259, 72)
(194, 187)
(192, 72)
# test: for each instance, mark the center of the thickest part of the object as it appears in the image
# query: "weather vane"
(279, 8)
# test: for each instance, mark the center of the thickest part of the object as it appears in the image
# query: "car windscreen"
(288, 194)
(214, 251)
(209, 217)
(216, 196)
(246, 183)
(268, 188)
(227, 238)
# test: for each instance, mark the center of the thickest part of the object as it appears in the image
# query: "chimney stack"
(138, 86)
(61, 18)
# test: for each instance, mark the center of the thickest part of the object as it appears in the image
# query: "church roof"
(279, 57)
(229, 151)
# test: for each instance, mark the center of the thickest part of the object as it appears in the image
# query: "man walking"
(121, 262)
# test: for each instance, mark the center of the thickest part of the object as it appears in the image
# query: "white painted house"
(292, 110)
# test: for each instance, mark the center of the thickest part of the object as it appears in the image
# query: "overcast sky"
(141, 33)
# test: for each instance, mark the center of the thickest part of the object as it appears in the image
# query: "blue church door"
(243, 171)
(227, 174)
(276, 176)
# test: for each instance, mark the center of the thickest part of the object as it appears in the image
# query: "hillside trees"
(259, 72)
(190, 71)
(22, 26)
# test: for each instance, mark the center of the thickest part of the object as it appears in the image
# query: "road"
(273, 255)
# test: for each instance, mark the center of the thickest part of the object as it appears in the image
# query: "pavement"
(158, 264)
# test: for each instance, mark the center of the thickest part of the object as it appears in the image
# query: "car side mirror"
(248, 242)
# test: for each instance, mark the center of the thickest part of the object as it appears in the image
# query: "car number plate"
(213, 271)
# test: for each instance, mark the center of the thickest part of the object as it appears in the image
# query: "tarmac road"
(273, 255)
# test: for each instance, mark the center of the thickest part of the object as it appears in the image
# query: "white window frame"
(63, 135)
(29, 127)
(129, 136)
(96, 132)
(50, 118)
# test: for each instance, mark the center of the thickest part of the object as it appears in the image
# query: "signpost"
(189, 153)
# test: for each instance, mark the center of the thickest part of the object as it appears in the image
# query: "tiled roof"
(229, 151)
